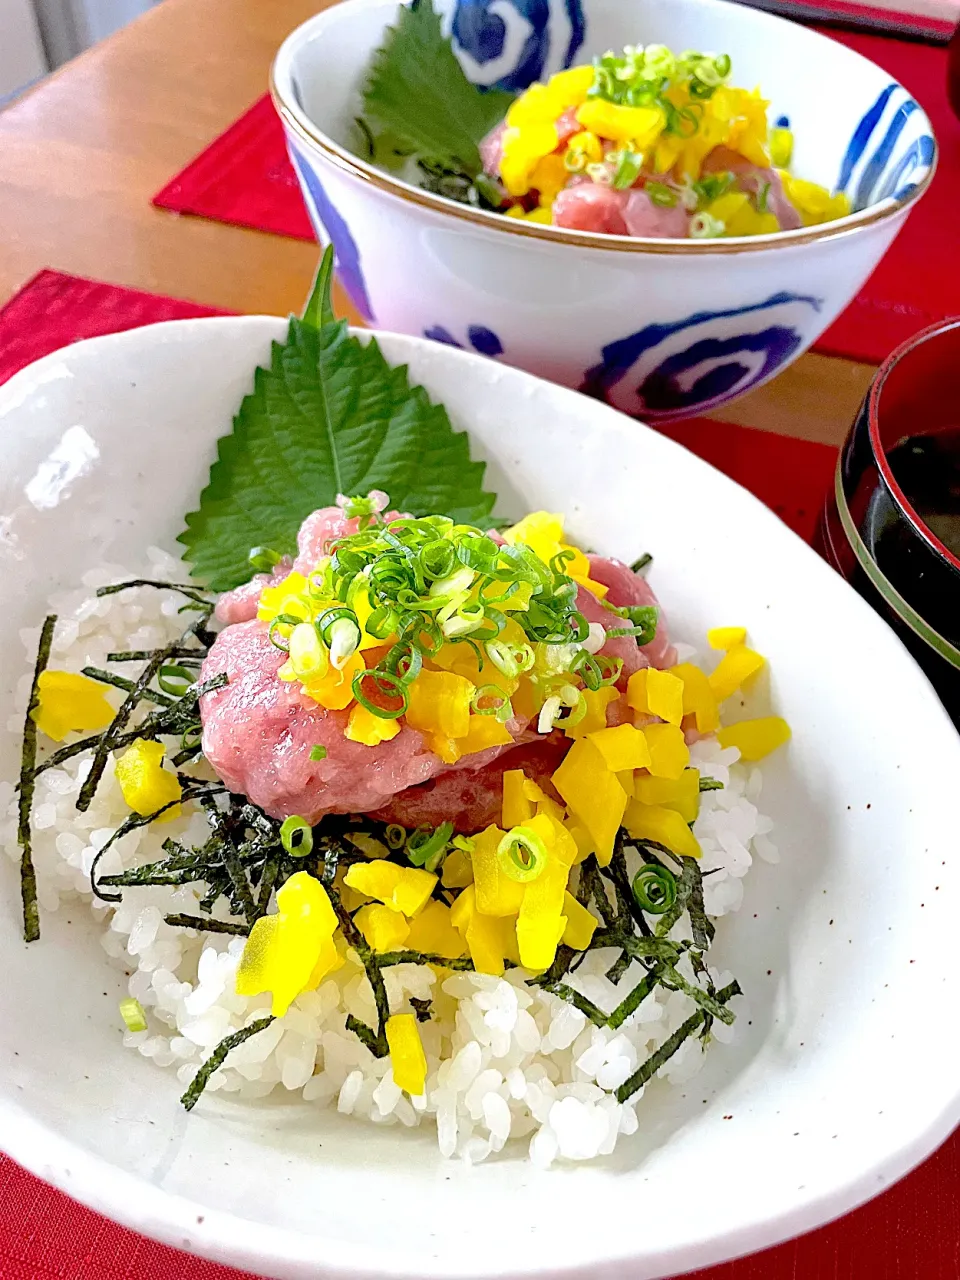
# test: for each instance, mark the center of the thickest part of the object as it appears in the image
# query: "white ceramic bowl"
(659, 329)
(843, 1077)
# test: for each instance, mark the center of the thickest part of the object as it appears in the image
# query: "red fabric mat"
(245, 178)
(52, 310)
(912, 1232)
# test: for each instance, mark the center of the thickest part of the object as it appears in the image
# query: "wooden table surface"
(83, 153)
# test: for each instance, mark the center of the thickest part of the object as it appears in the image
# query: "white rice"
(505, 1061)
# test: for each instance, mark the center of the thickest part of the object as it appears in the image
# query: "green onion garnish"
(423, 843)
(704, 226)
(264, 559)
(175, 680)
(131, 1011)
(395, 836)
(296, 836)
(274, 636)
(386, 684)
(522, 855)
(629, 164)
(318, 752)
(661, 195)
(655, 889)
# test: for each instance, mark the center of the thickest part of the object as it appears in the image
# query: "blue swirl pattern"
(671, 370)
(512, 43)
(483, 340)
(883, 158)
(322, 211)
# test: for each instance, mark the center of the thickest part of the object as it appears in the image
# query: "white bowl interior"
(823, 88)
(844, 950)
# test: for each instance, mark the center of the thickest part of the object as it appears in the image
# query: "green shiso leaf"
(418, 93)
(329, 416)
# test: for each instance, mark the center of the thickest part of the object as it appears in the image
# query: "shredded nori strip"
(207, 925)
(231, 859)
(376, 1041)
(386, 959)
(218, 1057)
(190, 590)
(108, 739)
(132, 823)
(28, 759)
(421, 1008)
(120, 682)
(669, 1047)
(644, 562)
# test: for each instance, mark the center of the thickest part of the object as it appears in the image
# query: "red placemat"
(912, 1232)
(245, 178)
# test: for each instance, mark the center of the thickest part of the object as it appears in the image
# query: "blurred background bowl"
(892, 524)
(659, 329)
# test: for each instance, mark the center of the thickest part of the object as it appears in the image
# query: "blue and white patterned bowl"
(660, 329)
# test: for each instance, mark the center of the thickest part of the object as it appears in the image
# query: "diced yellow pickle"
(698, 697)
(432, 932)
(622, 747)
(384, 929)
(665, 826)
(407, 1058)
(440, 703)
(145, 784)
(669, 753)
(596, 717)
(516, 807)
(682, 794)
(496, 893)
(755, 739)
(593, 794)
(581, 924)
(734, 669)
(726, 637)
(293, 950)
(665, 695)
(363, 726)
(70, 703)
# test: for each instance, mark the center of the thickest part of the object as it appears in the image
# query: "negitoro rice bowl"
(843, 948)
(426, 825)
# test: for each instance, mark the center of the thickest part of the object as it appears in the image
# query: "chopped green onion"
(643, 563)
(704, 226)
(710, 784)
(549, 714)
(763, 199)
(486, 693)
(661, 195)
(391, 685)
(522, 855)
(655, 889)
(464, 844)
(318, 752)
(296, 836)
(642, 618)
(713, 185)
(395, 835)
(175, 680)
(282, 620)
(264, 559)
(600, 174)
(629, 164)
(424, 843)
(131, 1011)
